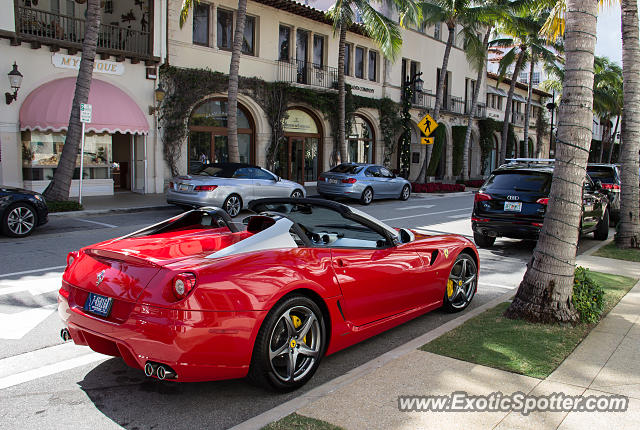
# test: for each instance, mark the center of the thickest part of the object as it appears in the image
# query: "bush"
(475, 183)
(588, 296)
(63, 206)
(436, 187)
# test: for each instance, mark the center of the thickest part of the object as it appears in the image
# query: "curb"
(351, 376)
(71, 214)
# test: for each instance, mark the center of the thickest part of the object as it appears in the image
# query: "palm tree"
(60, 185)
(628, 234)
(232, 95)
(384, 32)
(607, 97)
(546, 289)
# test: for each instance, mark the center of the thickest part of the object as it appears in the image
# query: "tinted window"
(372, 171)
(215, 171)
(386, 173)
(346, 168)
(360, 63)
(533, 182)
(249, 35)
(602, 174)
(201, 24)
(242, 173)
(284, 41)
(225, 29)
(262, 174)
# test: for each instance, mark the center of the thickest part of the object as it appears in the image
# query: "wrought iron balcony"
(306, 73)
(50, 28)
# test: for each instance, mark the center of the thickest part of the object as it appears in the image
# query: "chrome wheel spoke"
(291, 365)
(307, 326)
(305, 350)
(279, 351)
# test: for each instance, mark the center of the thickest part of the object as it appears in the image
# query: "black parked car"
(609, 177)
(21, 211)
(513, 201)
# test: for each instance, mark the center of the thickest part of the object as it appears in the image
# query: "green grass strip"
(300, 422)
(612, 251)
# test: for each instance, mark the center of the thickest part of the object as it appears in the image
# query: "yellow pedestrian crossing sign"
(426, 140)
(427, 125)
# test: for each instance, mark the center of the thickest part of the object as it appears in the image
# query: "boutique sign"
(64, 61)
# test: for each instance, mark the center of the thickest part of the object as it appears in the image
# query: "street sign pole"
(81, 165)
(85, 117)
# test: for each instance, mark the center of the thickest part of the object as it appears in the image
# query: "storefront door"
(139, 158)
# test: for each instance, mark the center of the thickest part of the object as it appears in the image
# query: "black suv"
(609, 177)
(513, 201)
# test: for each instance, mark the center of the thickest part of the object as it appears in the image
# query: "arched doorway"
(208, 134)
(491, 162)
(299, 155)
(361, 141)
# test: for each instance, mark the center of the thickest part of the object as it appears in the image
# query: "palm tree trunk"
(439, 97)
(605, 139)
(527, 108)
(60, 185)
(342, 141)
(628, 235)
(232, 108)
(507, 109)
(613, 139)
(474, 102)
(545, 293)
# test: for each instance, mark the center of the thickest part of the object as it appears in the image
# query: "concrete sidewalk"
(606, 362)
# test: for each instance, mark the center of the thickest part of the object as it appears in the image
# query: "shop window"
(361, 141)
(373, 65)
(359, 63)
(201, 24)
(284, 43)
(225, 29)
(248, 41)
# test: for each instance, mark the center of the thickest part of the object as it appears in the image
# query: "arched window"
(299, 154)
(208, 134)
(361, 141)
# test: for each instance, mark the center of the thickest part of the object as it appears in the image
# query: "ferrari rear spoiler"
(120, 256)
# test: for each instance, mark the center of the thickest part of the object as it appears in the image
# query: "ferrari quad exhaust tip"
(65, 335)
(160, 371)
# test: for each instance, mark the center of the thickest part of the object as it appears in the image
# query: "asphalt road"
(46, 383)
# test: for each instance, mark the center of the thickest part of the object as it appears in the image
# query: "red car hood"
(130, 264)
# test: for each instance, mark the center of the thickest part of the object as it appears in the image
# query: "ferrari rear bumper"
(198, 345)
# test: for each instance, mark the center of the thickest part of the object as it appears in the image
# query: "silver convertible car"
(364, 182)
(230, 186)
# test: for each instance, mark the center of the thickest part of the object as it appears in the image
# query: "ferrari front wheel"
(462, 283)
(289, 345)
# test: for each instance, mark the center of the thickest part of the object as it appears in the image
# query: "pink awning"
(47, 108)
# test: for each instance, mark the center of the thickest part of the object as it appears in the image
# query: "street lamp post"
(410, 87)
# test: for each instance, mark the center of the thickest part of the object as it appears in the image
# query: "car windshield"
(215, 171)
(519, 181)
(346, 168)
(602, 174)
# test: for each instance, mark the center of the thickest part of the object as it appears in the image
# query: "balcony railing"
(306, 73)
(454, 105)
(518, 118)
(48, 27)
(424, 100)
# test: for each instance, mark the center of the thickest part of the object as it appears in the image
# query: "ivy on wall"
(487, 128)
(458, 133)
(187, 86)
(439, 139)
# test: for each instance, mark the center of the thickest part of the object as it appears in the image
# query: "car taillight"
(481, 197)
(64, 292)
(183, 284)
(205, 187)
(543, 201)
(349, 181)
(479, 219)
(536, 224)
(171, 185)
(611, 186)
(71, 258)
(321, 178)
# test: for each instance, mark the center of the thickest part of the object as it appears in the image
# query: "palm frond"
(385, 32)
(187, 5)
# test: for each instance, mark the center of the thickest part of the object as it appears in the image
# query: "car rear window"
(519, 181)
(602, 174)
(215, 171)
(346, 168)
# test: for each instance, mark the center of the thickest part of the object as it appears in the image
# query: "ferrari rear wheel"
(290, 345)
(462, 283)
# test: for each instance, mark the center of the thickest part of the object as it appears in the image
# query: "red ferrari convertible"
(194, 298)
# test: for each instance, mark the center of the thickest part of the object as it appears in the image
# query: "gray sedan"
(230, 186)
(364, 182)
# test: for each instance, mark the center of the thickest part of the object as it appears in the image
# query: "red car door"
(378, 283)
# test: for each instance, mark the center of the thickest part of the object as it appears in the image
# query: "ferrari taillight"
(71, 258)
(183, 284)
(205, 187)
(481, 197)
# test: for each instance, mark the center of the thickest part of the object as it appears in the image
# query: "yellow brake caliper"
(449, 288)
(297, 322)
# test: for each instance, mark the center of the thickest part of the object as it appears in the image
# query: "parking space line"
(24, 272)
(406, 208)
(96, 222)
(427, 214)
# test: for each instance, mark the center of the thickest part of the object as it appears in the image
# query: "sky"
(609, 34)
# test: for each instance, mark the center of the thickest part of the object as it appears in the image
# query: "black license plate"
(97, 304)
